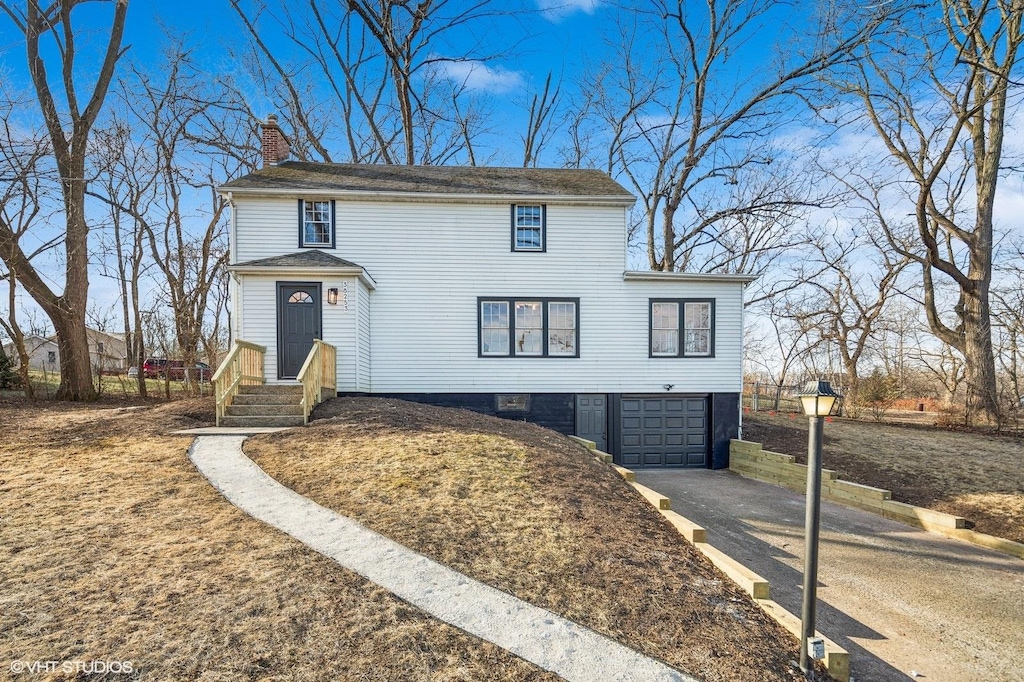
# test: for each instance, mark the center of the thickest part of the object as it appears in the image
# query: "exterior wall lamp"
(332, 296)
(817, 399)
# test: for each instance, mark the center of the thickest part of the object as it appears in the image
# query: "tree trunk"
(982, 392)
(75, 364)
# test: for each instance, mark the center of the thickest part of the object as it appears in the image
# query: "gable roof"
(303, 259)
(297, 177)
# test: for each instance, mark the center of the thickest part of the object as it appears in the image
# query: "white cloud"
(480, 77)
(556, 10)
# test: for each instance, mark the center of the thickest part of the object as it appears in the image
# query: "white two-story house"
(500, 290)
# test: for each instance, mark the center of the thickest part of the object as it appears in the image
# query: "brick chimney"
(275, 144)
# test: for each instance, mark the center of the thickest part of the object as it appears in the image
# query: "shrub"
(878, 392)
(8, 378)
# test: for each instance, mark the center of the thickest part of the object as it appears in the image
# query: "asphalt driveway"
(906, 604)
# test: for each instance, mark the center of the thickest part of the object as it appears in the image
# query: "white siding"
(363, 381)
(431, 261)
(259, 320)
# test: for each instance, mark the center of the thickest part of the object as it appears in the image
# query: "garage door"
(663, 431)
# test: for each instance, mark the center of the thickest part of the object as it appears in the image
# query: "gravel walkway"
(538, 636)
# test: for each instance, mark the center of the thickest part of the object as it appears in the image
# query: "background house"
(107, 352)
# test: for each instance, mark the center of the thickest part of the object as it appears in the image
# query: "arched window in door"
(300, 297)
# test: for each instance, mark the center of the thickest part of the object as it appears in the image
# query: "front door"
(298, 323)
(592, 419)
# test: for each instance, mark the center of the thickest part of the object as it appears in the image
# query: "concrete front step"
(236, 410)
(267, 399)
(250, 422)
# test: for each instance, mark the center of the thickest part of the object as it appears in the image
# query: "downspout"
(234, 288)
(743, 346)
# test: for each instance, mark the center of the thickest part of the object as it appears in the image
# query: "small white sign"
(816, 648)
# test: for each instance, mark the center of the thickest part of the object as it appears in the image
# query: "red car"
(154, 367)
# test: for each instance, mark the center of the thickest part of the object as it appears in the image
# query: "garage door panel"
(675, 459)
(660, 431)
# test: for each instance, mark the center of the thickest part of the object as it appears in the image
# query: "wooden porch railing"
(318, 374)
(242, 367)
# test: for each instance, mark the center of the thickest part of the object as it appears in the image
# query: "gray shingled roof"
(302, 259)
(554, 182)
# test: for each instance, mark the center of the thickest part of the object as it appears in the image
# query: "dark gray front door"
(664, 431)
(592, 419)
(298, 323)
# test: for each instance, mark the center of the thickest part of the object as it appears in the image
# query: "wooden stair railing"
(318, 374)
(243, 366)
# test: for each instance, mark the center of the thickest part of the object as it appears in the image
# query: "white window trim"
(543, 229)
(331, 225)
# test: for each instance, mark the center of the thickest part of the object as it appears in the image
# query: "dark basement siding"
(555, 411)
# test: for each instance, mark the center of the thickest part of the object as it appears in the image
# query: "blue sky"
(561, 37)
(550, 35)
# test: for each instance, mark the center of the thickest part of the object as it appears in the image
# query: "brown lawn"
(974, 475)
(113, 548)
(526, 510)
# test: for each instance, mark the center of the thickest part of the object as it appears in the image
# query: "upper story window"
(682, 328)
(316, 223)
(528, 227)
(543, 328)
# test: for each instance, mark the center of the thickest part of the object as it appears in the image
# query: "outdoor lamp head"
(818, 398)
(332, 296)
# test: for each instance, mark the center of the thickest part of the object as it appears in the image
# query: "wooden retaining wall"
(837, 659)
(750, 460)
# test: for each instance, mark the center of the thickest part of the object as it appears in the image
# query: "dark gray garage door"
(664, 431)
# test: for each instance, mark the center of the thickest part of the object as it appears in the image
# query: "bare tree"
(540, 125)
(69, 128)
(14, 332)
(1008, 316)
(691, 129)
(936, 93)
(859, 278)
(168, 166)
(25, 202)
(379, 68)
(128, 185)
(791, 337)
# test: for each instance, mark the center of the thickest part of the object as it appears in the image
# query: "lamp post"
(817, 399)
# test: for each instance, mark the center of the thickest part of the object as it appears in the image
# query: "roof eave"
(442, 197)
(655, 276)
(344, 271)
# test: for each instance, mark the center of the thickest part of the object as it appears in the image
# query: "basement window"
(516, 402)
